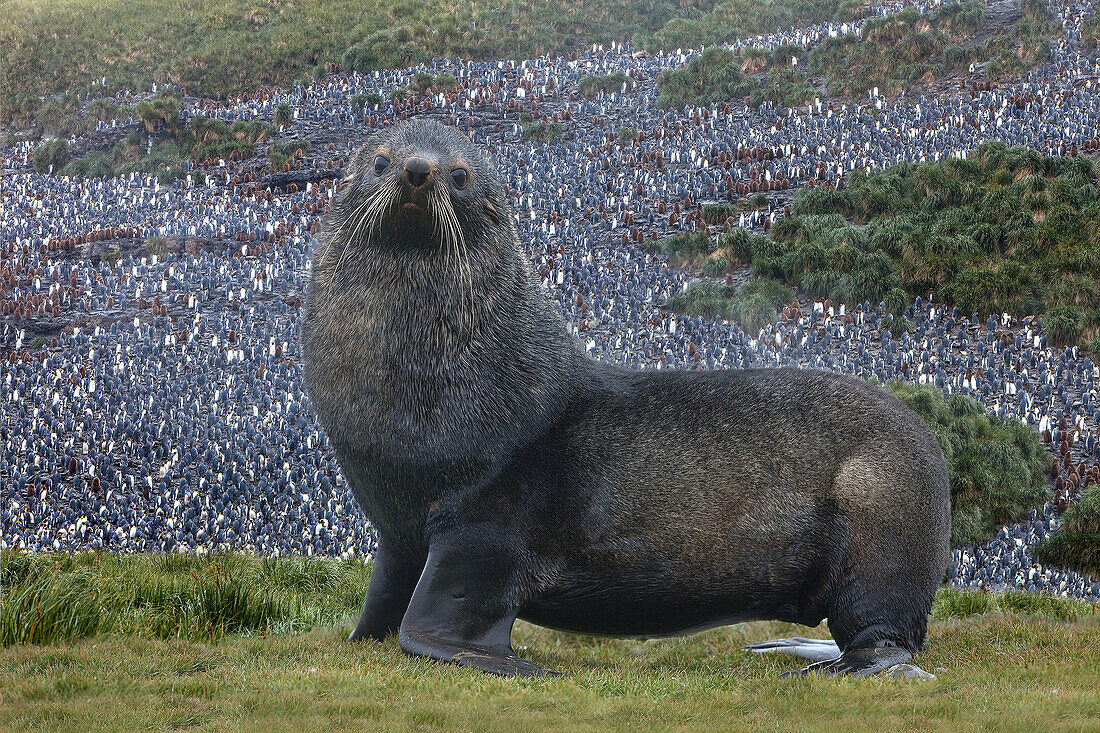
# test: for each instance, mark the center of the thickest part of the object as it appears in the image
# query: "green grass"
(684, 247)
(1007, 662)
(57, 597)
(542, 131)
(593, 85)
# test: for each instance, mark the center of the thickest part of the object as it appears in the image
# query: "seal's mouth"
(412, 206)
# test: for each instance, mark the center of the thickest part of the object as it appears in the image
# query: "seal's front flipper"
(464, 606)
(861, 662)
(816, 650)
(497, 660)
(392, 580)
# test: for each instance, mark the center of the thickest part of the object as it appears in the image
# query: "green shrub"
(752, 305)
(742, 245)
(997, 467)
(896, 302)
(711, 77)
(704, 299)
(1062, 324)
(685, 245)
(542, 131)
(422, 83)
(715, 266)
(53, 153)
(718, 213)
(899, 325)
(592, 86)
(1077, 544)
(1090, 30)
(1008, 230)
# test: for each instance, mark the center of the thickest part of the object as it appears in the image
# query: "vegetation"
(1007, 230)
(423, 83)
(685, 247)
(51, 155)
(892, 53)
(542, 131)
(906, 47)
(752, 305)
(1090, 30)
(59, 597)
(166, 143)
(282, 153)
(592, 86)
(1077, 545)
(1038, 666)
(218, 47)
(711, 77)
(997, 467)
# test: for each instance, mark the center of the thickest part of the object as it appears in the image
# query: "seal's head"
(421, 186)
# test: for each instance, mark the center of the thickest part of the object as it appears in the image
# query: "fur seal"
(509, 476)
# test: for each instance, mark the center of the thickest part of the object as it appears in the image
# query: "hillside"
(222, 47)
(962, 44)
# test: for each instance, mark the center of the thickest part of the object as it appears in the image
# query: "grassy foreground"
(1007, 662)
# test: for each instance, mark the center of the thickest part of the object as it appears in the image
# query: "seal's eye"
(381, 163)
(458, 175)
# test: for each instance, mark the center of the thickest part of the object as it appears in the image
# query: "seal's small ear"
(492, 212)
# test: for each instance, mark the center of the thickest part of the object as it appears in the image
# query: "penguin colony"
(165, 410)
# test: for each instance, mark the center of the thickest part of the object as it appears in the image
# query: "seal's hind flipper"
(816, 650)
(861, 662)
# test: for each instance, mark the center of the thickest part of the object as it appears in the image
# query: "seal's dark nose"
(417, 171)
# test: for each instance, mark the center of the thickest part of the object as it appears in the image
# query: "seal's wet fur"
(507, 475)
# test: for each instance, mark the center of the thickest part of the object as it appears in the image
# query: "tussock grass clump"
(542, 131)
(752, 305)
(997, 468)
(56, 597)
(822, 256)
(54, 153)
(1090, 30)
(711, 77)
(1077, 545)
(174, 142)
(685, 247)
(595, 84)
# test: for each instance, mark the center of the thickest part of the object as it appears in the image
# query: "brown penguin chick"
(509, 476)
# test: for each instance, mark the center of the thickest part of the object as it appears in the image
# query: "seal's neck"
(423, 357)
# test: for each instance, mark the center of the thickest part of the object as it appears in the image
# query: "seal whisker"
(456, 240)
(370, 209)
